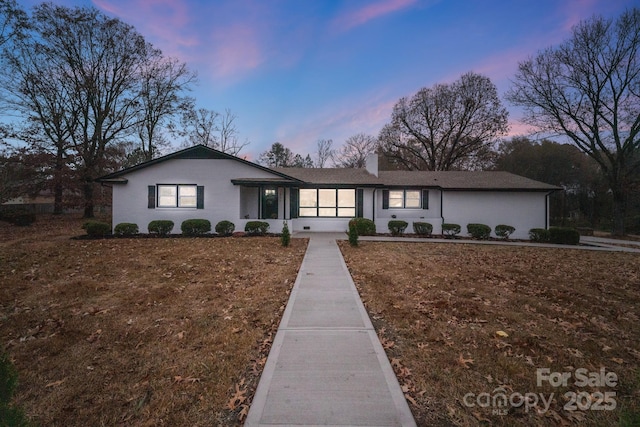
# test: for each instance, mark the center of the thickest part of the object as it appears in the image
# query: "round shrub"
(539, 235)
(256, 228)
(161, 227)
(364, 226)
(422, 228)
(397, 227)
(479, 231)
(450, 230)
(504, 231)
(225, 228)
(97, 228)
(564, 235)
(195, 227)
(125, 229)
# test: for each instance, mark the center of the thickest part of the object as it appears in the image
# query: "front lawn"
(139, 331)
(465, 324)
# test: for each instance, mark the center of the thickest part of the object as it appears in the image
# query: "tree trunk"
(619, 211)
(58, 187)
(88, 199)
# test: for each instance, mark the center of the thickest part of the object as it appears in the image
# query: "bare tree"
(163, 82)
(95, 63)
(200, 126)
(13, 21)
(355, 150)
(210, 128)
(324, 152)
(445, 127)
(588, 88)
(228, 141)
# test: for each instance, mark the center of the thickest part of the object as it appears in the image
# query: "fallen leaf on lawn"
(236, 330)
(575, 352)
(238, 398)
(465, 362)
(180, 335)
(180, 379)
(617, 360)
(411, 399)
(55, 383)
(502, 334)
(242, 415)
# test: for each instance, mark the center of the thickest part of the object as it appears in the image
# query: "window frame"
(177, 203)
(336, 206)
(404, 198)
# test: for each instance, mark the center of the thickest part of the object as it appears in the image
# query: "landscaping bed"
(467, 322)
(139, 331)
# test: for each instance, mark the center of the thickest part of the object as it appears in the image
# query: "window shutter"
(151, 204)
(425, 199)
(385, 199)
(200, 197)
(359, 203)
(293, 203)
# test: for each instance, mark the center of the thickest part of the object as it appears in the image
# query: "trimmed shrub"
(195, 227)
(225, 228)
(450, 230)
(285, 237)
(397, 227)
(256, 228)
(353, 235)
(10, 415)
(479, 231)
(539, 235)
(161, 227)
(504, 231)
(564, 235)
(364, 226)
(19, 217)
(125, 229)
(97, 228)
(422, 228)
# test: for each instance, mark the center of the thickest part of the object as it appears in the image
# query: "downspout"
(441, 206)
(546, 209)
(374, 205)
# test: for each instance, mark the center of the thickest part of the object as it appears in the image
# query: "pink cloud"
(235, 49)
(165, 23)
(367, 115)
(365, 14)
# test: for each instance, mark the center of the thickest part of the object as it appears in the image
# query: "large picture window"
(327, 202)
(177, 196)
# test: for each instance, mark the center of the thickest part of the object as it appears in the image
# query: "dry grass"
(437, 308)
(138, 331)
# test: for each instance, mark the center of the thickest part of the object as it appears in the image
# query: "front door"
(269, 203)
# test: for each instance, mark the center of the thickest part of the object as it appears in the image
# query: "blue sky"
(295, 71)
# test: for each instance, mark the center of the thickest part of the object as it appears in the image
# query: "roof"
(196, 152)
(332, 176)
(464, 180)
(447, 180)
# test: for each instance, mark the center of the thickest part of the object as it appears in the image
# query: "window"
(405, 199)
(177, 196)
(327, 202)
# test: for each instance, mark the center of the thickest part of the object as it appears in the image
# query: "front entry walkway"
(327, 366)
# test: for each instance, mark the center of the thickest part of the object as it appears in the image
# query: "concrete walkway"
(326, 366)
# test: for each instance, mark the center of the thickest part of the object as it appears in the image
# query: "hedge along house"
(200, 182)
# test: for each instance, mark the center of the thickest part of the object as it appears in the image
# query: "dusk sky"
(301, 70)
